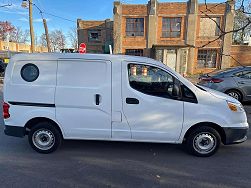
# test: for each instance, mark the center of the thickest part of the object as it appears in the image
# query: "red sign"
(82, 48)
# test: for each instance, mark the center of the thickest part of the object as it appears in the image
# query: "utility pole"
(31, 27)
(47, 35)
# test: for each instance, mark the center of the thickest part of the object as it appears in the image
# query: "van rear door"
(83, 98)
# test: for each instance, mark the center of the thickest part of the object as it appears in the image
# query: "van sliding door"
(83, 98)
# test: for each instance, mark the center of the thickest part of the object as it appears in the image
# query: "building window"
(171, 27)
(135, 52)
(207, 58)
(134, 27)
(94, 35)
(209, 28)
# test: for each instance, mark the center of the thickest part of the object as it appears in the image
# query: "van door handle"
(132, 101)
(97, 99)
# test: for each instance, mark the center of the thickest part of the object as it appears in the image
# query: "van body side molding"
(32, 104)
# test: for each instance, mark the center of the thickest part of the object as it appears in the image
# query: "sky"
(68, 9)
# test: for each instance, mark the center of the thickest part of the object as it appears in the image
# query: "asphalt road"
(114, 164)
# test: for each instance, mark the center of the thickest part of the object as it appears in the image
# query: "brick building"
(97, 35)
(169, 31)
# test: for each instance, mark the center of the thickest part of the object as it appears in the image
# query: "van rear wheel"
(44, 138)
(203, 141)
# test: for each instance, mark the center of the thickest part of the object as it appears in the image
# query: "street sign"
(82, 48)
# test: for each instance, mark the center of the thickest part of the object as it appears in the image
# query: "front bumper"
(14, 131)
(235, 135)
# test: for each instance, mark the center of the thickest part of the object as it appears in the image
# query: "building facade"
(184, 36)
(97, 35)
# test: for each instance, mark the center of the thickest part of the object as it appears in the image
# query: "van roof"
(56, 56)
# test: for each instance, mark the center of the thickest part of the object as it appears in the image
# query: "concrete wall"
(19, 47)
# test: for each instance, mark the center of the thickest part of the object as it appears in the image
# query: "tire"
(235, 94)
(203, 142)
(44, 137)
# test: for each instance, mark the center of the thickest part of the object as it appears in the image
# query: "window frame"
(133, 26)
(98, 31)
(170, 27)
(207, 58)
(140, 51)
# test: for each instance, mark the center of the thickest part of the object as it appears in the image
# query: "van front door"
(83, 98)
(151, 103)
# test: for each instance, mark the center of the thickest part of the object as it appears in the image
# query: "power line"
(7, 5)
(42, 12)
(59, 17)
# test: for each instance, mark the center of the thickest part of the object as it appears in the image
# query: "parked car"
(51, 97)
(235, 82)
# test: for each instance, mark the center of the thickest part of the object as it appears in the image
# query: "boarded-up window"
(208, 27)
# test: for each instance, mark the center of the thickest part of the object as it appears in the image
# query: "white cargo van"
(51, 97)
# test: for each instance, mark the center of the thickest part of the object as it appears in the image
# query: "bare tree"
(43, 41)
(58, 40)
(241, 19)
(5, 29)
(72, 35)
(26, 36)
(19, 36)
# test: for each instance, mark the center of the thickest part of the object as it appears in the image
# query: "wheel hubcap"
(204, 143)
(234, 95)
(43, 139)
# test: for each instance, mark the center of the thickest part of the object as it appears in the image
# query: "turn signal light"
(232, 107)
(6, 108)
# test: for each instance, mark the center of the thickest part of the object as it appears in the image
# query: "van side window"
(29, 72)
(187, 94)
(153, 81)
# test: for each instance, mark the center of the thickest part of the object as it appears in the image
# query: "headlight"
(235, 107)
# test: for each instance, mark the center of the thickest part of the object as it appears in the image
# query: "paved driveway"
(113, 164)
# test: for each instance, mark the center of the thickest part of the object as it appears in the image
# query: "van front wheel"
(203, 141)
(44, 138)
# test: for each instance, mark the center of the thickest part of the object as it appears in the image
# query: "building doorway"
(170, 58)
(173, 57)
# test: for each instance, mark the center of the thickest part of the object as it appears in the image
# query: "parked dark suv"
(235, 82)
